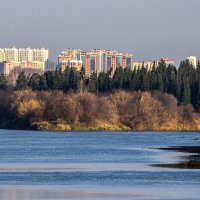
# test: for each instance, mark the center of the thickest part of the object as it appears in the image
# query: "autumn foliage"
(119, 110)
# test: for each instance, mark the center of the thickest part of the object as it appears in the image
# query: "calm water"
(51, 166)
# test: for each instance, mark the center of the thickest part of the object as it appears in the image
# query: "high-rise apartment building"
(137, 65)
(41, 55)
(25, 55)
(150, 64)
(23, 58)
(99, 63)
(6, 67)
(104, 62)
(96, 60)
(11, 54)
(119, 60)
(193, 60)
(70, 58)
(168, 61)
(2, 55)
(129, 60)
(113, 62)
(88, 62)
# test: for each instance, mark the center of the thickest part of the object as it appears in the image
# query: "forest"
(163, 98)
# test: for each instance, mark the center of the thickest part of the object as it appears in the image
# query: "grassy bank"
(46, 126)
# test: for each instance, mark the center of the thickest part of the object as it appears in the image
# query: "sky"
(150, 29)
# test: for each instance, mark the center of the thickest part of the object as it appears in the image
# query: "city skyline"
(107, 49)
(148, 29)
(96, 60)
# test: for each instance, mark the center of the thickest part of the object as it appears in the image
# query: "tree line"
(183, 83)
(118, 110)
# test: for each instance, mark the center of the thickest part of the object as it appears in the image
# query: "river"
(114, 165)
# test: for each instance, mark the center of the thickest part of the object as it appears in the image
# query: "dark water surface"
(51, 166)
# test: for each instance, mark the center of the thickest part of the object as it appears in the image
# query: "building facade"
(11, 54)
(23, 58)
(41, 55)
(70, 58)
(2, 55)
(25, 55)
(150, 64)
(96, 60)
(6, 67)
(193, 60)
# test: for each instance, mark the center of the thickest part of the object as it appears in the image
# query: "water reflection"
(190, 161)
(30, 193)
(111, 193)
(49, 166)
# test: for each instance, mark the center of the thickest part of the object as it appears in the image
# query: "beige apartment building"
(25, 55)
(41, 55)
(6, 67)
(2, 55)
(24, 58)
(149, 64)
(70, 58)
(11, 54)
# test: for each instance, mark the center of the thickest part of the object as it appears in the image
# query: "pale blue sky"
(149, 29)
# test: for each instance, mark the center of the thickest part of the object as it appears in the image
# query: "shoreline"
(105, 131)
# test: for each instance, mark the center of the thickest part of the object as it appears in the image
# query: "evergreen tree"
(66, 79)
(135, 81)
(127, 79)
(185, 94)
(58, 80)
(186, 83)
(197, 104)
(143, 78)
(3, 82)
(93, 82)
(152, 77)
(22, 82)
(49, 79)
(197, 88)
(161, 75)
(73, 78)
(171, 80)
(104, 82)
(34, 81)
(42, 83)
(117, 79)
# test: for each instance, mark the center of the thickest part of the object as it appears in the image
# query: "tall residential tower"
(96, 60)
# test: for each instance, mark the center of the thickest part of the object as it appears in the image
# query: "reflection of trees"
(187, 162)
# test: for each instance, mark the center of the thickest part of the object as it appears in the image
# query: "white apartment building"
(193, 60)
(25, 55)
(24, 58)
(1, 55)
(11, 54)
(41, 55)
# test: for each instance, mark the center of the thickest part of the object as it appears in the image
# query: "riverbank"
(116, 111)
(46, 126)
